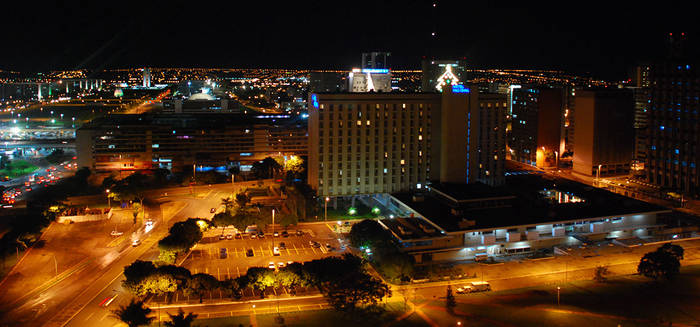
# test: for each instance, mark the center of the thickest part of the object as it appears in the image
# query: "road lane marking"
(238, 271)
(295, 248)
(228, 273)
(218, 273)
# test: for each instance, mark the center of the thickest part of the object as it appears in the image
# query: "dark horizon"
(605, 42)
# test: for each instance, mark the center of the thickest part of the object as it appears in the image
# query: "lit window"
(359, 123)
(403, 162)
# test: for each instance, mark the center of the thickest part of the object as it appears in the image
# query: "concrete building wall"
(604, 132)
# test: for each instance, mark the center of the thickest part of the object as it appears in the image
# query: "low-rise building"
(129, 143)
(459, 222)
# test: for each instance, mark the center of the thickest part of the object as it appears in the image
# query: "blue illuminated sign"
(375, 71)
(314, 101)
(459, 88)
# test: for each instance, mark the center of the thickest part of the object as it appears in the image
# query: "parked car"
(222, 253)
(276, 251)
(271, 265)
(238, 236)
(253, 236)
(299, 232)
(283, 246)
(229, 236)
(116, 233)
(281, 265)
(275, 234)
(135, 242)
(249, 253)
(222, 237)
(285, 234)
(212, 210)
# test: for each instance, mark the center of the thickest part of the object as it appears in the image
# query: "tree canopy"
(664, 263)
(134, 314)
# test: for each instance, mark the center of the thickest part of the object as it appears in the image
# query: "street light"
(325, 209)
(558, 289)
(109, 200)
(598, 177)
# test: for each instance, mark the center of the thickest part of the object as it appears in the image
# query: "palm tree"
(227, 203)
(180, 319)
(134, 314)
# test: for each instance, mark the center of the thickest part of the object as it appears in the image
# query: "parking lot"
(231, 258)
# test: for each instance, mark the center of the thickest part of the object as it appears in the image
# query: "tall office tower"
(375, 60)
(363, 143)
(437, 73)
(536, 125)
(568, 120)
(673, 137)
(640, 76)
(328, 82)
(640, 96)
(146, 77)
(493, 109)
(604, 132)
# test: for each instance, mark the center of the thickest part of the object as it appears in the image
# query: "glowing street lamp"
(352, 211)
(325, 209)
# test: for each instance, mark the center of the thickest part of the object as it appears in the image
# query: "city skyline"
(322, 36)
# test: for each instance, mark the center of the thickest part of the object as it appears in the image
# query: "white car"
(272, 265)
(116, 233)
(276, 251)
(136, 242)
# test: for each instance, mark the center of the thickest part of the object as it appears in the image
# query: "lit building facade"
(434, 69)
(129, 143)
(493, 109)
(366, 143)
(673, 134)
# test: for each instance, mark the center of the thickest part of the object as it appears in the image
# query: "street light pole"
(558, 289)
(325, 209)
(109, 200)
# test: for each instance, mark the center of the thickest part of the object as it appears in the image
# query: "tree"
(368, 233)
(664, 263)
(136, 273)
(134, 314)
(601, 273)
(222, 219)
(181, 274)
(352, 290)
(158, 284)
(4, 161)
(450, 302)
(260, 278)
(294, 165)
(232, 288)
(200, 284)
(180, 319)
(228, 204)
(242, 199)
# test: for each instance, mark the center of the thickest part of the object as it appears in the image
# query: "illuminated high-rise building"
(673, 129)
(365, 143)
(375, 60)
(437, 72)
(146, 77)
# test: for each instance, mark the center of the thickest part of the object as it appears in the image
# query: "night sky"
(597, 38)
